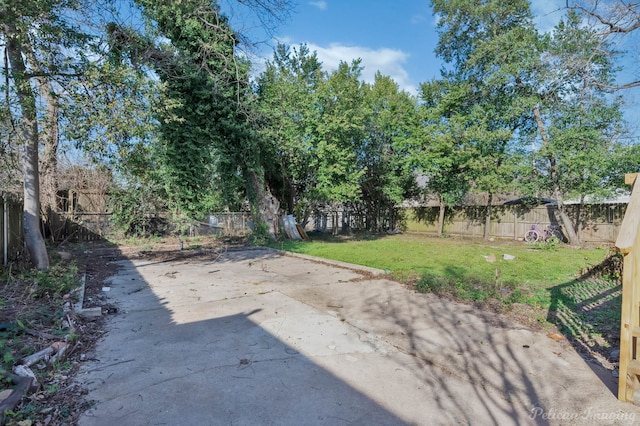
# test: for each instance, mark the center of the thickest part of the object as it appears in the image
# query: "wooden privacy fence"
(77, 226)
(600, 223)
(10, 227)
(628, 243)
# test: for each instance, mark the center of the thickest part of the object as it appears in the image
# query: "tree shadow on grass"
(587, 312)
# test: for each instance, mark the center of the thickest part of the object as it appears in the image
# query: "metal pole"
(5, 233)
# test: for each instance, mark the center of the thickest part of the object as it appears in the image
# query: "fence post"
(628, 243)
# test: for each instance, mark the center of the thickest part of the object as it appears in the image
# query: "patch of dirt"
(36, 323)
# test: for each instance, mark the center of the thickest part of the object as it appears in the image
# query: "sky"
(395, 37)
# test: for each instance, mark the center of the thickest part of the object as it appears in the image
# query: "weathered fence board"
(600, 223)
(628, 243)
(77, 226)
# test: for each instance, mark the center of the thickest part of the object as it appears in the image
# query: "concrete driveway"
(254, 337)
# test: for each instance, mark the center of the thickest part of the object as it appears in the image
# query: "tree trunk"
(487, 217)
(49, 164)
(31, 214)
(50, 136)
(443, 208)
(264, 205)
(568, 226)
(568, 229)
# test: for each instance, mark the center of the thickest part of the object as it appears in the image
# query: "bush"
(135, 213)
(260, 235)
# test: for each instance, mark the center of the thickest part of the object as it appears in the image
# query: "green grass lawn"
(409, 256)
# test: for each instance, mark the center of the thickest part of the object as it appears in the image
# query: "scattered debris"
(556, 336)
(90, 313)
(491, 258)
(508, 257)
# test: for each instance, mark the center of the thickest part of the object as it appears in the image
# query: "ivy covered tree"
(287, 91)
(207, 126)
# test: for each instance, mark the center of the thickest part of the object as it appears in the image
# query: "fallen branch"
(22, 385)
(38, 356)
(44, 354)
(60, 348)
(24, 379)
(41, 334)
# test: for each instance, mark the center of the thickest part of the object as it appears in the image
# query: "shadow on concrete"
(514, 373)
(254, 337)
(165, 362)
(448, 345)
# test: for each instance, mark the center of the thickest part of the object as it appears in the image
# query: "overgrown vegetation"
(170, 109)
(32, 316)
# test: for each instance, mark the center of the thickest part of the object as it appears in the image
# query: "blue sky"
(397, 38)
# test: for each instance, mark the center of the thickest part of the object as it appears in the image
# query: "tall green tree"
(490, 46)
(577, 121)
(439, 150)
(526, 84)
(337, 131)
(315, 124)
(392, 115)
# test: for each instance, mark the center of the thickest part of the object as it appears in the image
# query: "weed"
(431, 283)
(58, 280)
(8, 359)
(550, 244)
(260, 235)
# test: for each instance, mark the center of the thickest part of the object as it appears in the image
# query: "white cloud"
(388, 61)
(322, 5)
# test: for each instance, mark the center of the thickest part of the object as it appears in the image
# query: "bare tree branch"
(622, 18)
